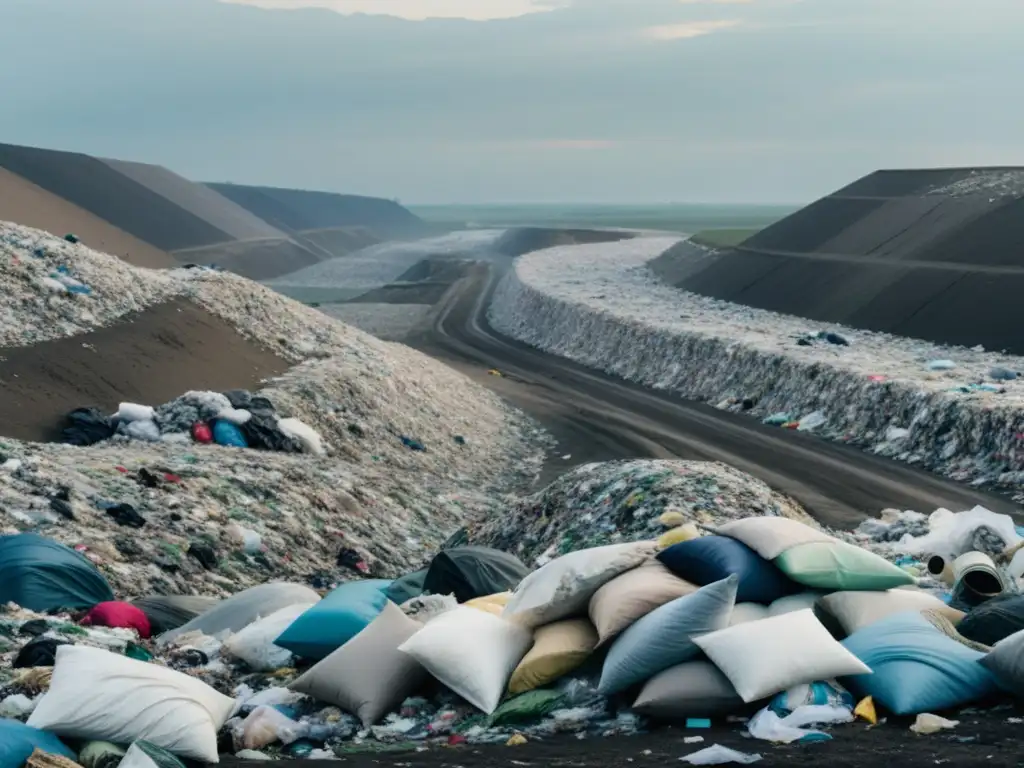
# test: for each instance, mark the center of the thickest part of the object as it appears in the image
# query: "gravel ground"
(599, 305)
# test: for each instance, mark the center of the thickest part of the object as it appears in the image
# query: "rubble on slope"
(611, 502)
(626, 322)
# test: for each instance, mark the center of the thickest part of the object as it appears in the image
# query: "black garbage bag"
(469, 572)
(239, 398)
(41, 652)
(167, 612)
(261, 431)
(993, 620)
(125, 514)
(87, 426)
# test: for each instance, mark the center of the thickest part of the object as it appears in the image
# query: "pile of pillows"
(707, 626)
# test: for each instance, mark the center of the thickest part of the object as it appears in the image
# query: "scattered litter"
(941, 365)
(927, 723)
(719, 755)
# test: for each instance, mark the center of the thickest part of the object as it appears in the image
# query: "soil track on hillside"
(151, 357)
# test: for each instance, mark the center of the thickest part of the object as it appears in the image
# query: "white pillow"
(856, 610)
(563, 587)
(797, 602)
(96, 695)
(771, 536)
(255, 644)
(472, 652)
(744, 613)
(763, 657)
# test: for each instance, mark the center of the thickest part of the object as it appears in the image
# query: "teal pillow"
(18, 741)
(336, 619)
(916, 668)
(663, 638)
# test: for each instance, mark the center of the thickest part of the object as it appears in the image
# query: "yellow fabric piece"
(558, 649)
(515, 740)
(672, 519)
(866, 710)
(677, 535)
(491, 603)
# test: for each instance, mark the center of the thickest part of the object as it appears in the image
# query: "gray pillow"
(663, 638)
(368, 676)
(691, 689)
(1006, 663)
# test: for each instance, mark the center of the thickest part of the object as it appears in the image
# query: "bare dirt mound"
(934, 255)
(112, 196)
(256, 259)
(150, 357)
(298, 210)
(31, 205)
(197, 199)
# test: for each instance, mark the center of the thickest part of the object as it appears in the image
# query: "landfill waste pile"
(399, 450)
(378, 265)
(978, 553)
(900, 397)
(610, 502)
(766, 621)
(235, 419)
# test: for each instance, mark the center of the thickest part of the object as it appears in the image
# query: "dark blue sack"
(708, 559)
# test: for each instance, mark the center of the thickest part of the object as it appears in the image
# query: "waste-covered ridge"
(953, 410)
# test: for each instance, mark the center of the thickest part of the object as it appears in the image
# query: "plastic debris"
(927, 723)
(720, 350)
(716, 754)
(865, 710)
(768, 726)
(516, 740)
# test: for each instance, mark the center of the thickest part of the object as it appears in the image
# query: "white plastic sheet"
(716, 754)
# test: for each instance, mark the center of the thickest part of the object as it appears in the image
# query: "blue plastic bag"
(663, 638)
(336, 619)
(18, 741)
(226, 433)
(916, 668)
(709, 559)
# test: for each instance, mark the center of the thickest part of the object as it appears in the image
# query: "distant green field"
(668, 217)
(722, 238)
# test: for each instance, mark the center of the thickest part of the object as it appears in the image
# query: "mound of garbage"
(952, 410)
(611, 502)
(763, 619)
(397, 450)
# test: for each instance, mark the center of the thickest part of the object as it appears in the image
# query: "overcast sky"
(521, 100)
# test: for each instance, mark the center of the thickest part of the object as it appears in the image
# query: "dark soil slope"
(150, 358)
(296, 210)
(30, 205)
(933, 254)
(99, 189)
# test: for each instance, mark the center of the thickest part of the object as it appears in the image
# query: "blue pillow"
(916, 667)
(336, 619)
(708, 559)
(18, 742)
(662, 638)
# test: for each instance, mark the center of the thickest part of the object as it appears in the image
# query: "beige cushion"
(633, 595)
(557, 650)
(856, 610)
(771, 536)
(562, 589)
(368, 676)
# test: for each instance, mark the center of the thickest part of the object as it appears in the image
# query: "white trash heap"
(265, 515)
(763, 615)
(936, 406)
